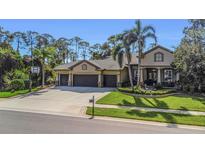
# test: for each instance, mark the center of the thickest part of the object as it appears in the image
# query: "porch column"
(177, 76)
(118, 81)
(70, 79)
(159, 75)
(100, 80)
(58, 79)
(141, 75)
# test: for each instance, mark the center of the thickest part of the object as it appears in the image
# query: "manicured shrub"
(147, 92)
(50, 80)
(158, 86)
(17, 84)
(27, 83)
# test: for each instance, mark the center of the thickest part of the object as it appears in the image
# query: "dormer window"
(84, 67)
(158, 57)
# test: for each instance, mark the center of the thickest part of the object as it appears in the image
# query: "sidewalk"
(152, 109)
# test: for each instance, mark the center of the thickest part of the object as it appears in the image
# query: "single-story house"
(155, 68)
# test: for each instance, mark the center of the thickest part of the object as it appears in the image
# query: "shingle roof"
(65, 66)
(108, 63)
(158, 46)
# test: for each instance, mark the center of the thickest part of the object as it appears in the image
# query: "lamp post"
(30, 76)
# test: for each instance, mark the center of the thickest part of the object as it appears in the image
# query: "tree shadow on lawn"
(193, 97)
(137, 102)
(146, 103)
(168, 118)
(158, 104)
(200, 99)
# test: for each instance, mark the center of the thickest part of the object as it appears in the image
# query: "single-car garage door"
(85, 80)
(110, 80)
(63, 79)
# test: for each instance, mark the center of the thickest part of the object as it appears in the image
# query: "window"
(84, 67)
(158, 57)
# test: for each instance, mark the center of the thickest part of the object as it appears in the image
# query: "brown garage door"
(110, 80)
(85, 80)
(63, 79)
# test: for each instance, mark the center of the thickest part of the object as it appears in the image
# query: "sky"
(169, 32)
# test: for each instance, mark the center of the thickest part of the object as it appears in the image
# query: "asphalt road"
(13, 122)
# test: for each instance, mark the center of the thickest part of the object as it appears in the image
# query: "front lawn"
(185, 102)
(8, 94)
(149, 116)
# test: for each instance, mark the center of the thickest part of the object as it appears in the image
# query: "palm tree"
(122, 50)
(106, 49)
(43, 52)
(112, 40)
(30, 40)
(141, 34)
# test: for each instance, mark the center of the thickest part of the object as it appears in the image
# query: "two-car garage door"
(85, 80)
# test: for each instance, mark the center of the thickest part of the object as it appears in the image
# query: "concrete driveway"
(64, 100)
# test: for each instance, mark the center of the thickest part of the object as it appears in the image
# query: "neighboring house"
(155, 68)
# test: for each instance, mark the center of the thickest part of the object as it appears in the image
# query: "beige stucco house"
(155, 68)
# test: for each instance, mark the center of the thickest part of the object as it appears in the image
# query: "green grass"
(147, 92)
(8, 94)
(185, 102)
(149, 116)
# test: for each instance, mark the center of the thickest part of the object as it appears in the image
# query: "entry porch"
(164, 76)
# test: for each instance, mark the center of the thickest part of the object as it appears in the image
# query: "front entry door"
(151, 76)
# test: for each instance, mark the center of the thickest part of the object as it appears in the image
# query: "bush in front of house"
(158, 86)
(50, 80)
(141, 91)
(15, 80)
(17, 84)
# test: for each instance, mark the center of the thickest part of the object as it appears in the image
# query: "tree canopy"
(190, 56)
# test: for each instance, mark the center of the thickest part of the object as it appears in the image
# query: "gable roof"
(65, 66)
(105, 64)
(86, 61)
(156, 47)
(108, 63)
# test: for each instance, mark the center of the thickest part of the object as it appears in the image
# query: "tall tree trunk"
(43, 76)
(139, 68)
(30, 74)
(67, 55)
(130, 77)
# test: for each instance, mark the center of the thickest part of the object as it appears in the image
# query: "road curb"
(152, 123)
